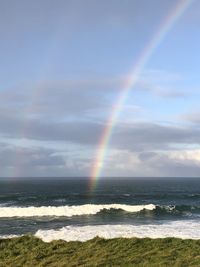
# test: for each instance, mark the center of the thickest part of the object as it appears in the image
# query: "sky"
(63, 65)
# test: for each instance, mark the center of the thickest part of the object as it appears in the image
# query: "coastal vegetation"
(31, 251)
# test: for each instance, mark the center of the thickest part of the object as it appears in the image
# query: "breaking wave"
(68, 211)
(180, 229)
(92, 209)
(185, 230)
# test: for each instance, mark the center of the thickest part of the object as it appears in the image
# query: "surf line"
(177, 11)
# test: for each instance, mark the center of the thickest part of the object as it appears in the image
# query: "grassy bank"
(30, 251)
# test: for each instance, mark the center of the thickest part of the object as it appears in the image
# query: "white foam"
(180, 229)
(8, 236)
(68, 211)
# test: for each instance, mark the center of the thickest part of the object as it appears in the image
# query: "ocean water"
(66, 209)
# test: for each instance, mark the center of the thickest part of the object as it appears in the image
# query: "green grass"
(31, 251)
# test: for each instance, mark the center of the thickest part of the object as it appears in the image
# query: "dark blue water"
(174, 200)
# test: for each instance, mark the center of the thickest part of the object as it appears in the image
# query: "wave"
(185, 210)
(9, 236)
(179, 229)
(68, 211)
(7, 204)
(92, 209)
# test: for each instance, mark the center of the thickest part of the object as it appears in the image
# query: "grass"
(30, 251)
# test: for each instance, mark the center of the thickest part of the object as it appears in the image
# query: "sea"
(68, 209)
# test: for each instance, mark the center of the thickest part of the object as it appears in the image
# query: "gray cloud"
(150, 136)
(38, 161)
(192, 117)
(79, 132)
(41, 162)
(150, 164)
(61, 100)
(143, 140)
(134, 137)
(57, 111)
(144, 156)
(163, 165)
(74, 113)
(9, 155)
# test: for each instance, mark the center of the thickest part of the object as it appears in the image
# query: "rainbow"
(139, 65)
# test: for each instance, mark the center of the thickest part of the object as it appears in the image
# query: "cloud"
(74, 114)
(61, 111)
(141, 149)
(151, 164)
(192, 117)
(86, 133)
(16, 161)
(151, 136)
(145, 156)
(134, 136)
(61, 98)
(175, 165)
